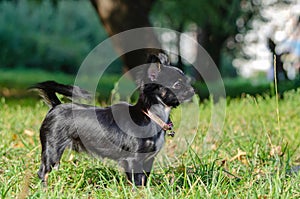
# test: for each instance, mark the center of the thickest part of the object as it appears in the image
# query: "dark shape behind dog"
(121, 132)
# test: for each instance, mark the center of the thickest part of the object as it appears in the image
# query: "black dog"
(130, 134)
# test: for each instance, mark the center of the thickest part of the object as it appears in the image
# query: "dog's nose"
(189, 92)
(192, 90)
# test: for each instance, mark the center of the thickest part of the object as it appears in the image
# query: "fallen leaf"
(18, 145)
(71, 158)
(29, 132)
(239, 155)
(14, 137)
(276, 150)
(30, 140)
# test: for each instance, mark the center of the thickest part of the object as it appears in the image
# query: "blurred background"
(43, 40)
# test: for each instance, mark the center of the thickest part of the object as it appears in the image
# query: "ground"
(250, 158)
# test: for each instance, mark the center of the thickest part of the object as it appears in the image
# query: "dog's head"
(164, 82)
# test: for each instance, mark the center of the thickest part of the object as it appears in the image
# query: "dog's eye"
(177, 85)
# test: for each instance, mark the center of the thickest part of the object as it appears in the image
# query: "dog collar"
(161, 123)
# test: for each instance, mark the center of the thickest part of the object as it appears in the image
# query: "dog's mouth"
(174, 98)
(185, 99)
(187, 96)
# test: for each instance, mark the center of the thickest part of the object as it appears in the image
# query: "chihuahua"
(132, 135)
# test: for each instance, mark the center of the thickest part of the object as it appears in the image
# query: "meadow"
(253, 156)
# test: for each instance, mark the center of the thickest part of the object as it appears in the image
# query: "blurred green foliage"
(110, 91)
(41, 35)
(239, 87)
(16, 88)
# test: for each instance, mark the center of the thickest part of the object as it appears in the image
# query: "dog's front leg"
(138, 171)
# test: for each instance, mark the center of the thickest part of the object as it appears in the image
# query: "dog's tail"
(49, 88)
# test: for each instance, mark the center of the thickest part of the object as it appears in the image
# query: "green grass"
(267, 149)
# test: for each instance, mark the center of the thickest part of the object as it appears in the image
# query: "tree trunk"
(121, 15)
(213, 46)
(178, 43)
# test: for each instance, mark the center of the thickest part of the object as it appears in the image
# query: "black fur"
(121, 132)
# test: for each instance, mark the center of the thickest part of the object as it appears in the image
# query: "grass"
(250, 159)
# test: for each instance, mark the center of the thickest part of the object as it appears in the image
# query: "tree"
(221, 23)
(121, 15)
(216, 20)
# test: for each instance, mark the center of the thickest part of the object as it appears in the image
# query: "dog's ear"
(164, 59)
(159, 58)
(153, 71)
(155, 61)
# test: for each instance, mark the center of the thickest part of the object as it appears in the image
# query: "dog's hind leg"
(53, 147)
